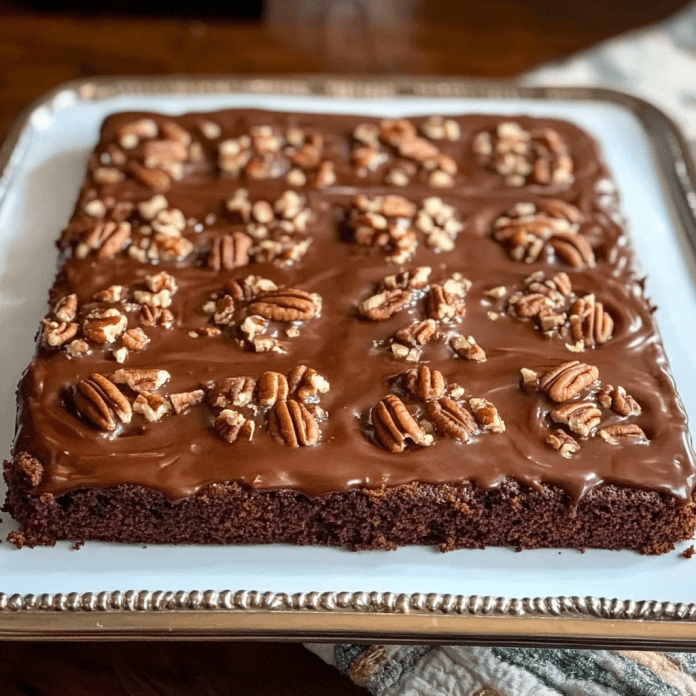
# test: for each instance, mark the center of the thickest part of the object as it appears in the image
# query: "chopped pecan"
(114, 293)
(581, 417)
(271, 388)
(530, 380)
(574, 249)
(58, 333)
(424, 383)
(306, 383)
(142, 128)
(77, 347)
(563, 443)
(617, 434)
(169, 222)
(161, 281)
(152, 406)
(268, 344)
(442, 304)
(291, 424)
(233, 391)
(618, 401)
(291, 304)
(107, 238)
(589, 322)
(104, 325)
(249, 288)
(184, 400)
(410, 279)
(135, 339)
(253, 326)
(163, 298)
(224, 311)
(150, 208)
(66, 308)
(417, 334)
(98, 401)
(393, 425)
(564, 382)
(467, 348)
(385, 304)
(487, 415)
(231, 426)
(450, 419)
(154, 179)
(141, 380)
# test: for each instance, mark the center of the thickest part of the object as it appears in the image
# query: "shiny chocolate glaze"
(181, 454)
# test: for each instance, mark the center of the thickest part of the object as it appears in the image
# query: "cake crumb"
(78, 545)
(688, 553)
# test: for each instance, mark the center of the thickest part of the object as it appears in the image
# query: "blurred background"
(46, 42)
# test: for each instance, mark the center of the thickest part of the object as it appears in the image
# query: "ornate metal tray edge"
(416, 617)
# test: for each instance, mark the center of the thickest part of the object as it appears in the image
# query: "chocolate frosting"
(182, 454)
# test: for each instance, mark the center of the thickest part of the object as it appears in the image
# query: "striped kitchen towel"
(400, 670)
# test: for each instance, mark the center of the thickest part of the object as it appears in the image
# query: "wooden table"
(482, 38)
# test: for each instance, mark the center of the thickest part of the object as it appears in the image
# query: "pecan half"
(424, 383)
(58, 333)
(107, 238)
(563, 443)
(66, 308)
(468, 349)
(291, 424)
(141, 380)
(135, 339)
(184, 400)
(154, 179)
(618, 401)
(417, 334)
(589, 322)
(230, 251)
(393, 425)
(529, 305)
(564, 382)
(385, 304)
(581, 417)
(286, 305)
(231, 426)
(152, 406)
(98, 401)
(574, 249)
(450, 419)
(487, 415)
(154, 316)
(617, 434)
(271, 388)
(104, 326)
(306, 383)
(233, 391)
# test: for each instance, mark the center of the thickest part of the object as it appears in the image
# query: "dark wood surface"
(482, 38)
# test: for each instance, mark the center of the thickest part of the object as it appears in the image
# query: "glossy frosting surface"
(182, 453)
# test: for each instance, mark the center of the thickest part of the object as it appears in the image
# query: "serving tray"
(494, 596)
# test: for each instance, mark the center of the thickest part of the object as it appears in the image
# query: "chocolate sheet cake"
(322, 329)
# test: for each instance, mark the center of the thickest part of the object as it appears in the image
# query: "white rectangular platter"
(413, 594)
